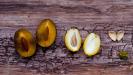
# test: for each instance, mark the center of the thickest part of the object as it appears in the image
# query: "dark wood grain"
(99, 16)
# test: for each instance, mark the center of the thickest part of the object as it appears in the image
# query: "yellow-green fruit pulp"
(73, 39)
(91, 44)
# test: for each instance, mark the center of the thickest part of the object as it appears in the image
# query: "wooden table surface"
(98, 16)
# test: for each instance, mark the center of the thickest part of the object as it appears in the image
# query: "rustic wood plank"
(88, 15)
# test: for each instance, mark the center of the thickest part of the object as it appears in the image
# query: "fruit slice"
(120, 35)
(24, 43)
(112, 35)
(91, 44)
(73, 39)
(46, 33)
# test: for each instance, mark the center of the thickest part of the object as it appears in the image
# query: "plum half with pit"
(24, 43)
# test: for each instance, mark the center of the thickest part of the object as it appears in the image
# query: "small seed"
(24, 44)
(74, 40)
(46, 33)
(120, 35)
(112, 35)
